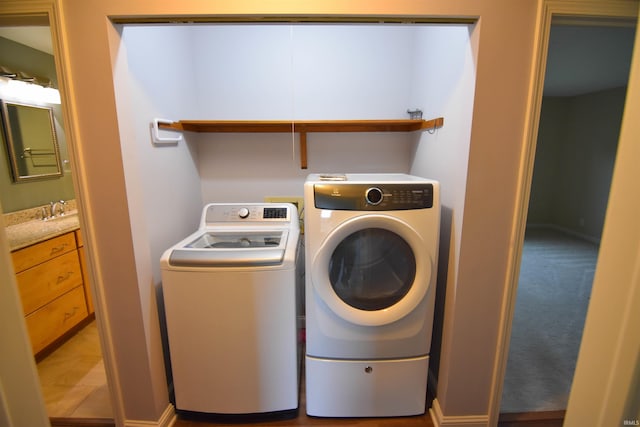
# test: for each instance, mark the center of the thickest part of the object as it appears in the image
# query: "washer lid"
(372, 270)
(239, 240)
(232, 248)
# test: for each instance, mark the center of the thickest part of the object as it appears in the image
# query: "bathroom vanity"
(50, 268)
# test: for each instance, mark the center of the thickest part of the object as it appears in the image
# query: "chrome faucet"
(55, 209)
(61, 207)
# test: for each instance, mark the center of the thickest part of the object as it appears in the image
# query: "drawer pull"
(58, 249)
(65, 277)
(68, 315)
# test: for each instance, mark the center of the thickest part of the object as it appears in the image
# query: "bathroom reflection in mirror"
(30, 135)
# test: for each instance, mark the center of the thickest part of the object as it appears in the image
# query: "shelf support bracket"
(163, 140)
(303, 150)
(433, 124)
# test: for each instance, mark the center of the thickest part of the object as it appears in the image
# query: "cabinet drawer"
(41, 252)
(54, 319)
(44, 282)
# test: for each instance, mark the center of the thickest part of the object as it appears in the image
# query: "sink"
(70, 214)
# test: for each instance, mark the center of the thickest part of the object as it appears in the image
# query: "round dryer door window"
(372, 270)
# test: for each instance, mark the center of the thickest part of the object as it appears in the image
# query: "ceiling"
(38, 37)
(581, 58)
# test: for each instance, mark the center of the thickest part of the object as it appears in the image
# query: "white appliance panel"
(366, 388)
(330, 336)
(230, 362)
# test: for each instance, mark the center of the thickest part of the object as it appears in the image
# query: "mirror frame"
(11, 135)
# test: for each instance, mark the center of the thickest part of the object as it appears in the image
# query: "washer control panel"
(215, 213)
(373, 197)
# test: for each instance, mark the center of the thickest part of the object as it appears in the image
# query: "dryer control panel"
(373, 197)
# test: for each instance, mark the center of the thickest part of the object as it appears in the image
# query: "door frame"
(547, 10)
(17, 9)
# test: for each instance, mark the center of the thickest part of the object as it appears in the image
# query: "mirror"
(30, 134)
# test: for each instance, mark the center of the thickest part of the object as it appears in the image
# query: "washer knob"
(373, 196)
(243, 213)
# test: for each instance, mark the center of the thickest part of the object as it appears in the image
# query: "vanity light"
(5, 72)
(24, 77)
(25, 91)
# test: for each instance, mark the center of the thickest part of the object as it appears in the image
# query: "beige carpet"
(553, 294)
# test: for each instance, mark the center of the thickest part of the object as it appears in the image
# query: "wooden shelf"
(302, 127)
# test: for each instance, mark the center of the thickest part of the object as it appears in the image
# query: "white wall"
(163, 186)
(257, 72)
(282, 72)
(352, 71)
(312, 72)
(444, 83)
(444, 80)
(248, 167)
(303, 72)
(551, 132)
(242, 72)
(575, 154)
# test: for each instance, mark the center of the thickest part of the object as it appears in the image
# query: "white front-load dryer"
(371, 255)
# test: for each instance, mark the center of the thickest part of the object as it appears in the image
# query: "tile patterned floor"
(73, 379)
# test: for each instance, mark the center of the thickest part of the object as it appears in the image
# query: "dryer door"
(372, 270)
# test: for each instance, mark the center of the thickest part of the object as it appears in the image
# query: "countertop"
(27, 233)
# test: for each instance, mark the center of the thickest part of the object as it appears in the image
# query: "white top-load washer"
(371, 260)
(230, 302)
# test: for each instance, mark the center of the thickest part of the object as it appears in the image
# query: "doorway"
(582, 104)
(69, 356)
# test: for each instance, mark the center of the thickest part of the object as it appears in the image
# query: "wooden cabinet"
(43, 251)
(45, 282)
(53, 320)
(51, 285)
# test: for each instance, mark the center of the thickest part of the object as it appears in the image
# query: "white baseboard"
(167, 419)
(439, 419)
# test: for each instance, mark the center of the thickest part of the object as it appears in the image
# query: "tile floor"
(73, 379)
